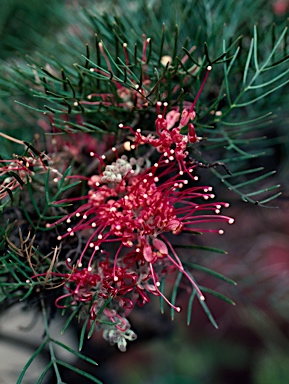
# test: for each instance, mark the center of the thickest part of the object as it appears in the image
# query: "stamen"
(157, 283)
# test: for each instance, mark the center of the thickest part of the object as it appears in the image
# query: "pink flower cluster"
(19, 171)
(128, 217)
(169, 141)
(134, 206)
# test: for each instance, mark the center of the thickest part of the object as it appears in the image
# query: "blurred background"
(252, 343)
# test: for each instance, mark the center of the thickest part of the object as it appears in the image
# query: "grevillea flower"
(168, 139)
(20, 170)
(128, 217)
(136, 211)
(95, 289)
(120, 333)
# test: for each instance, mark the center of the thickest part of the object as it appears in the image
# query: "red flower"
(136, 211)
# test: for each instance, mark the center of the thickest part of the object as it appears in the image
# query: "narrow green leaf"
(175, 292)
(227, 70)
(84, 327)
(79, 371)
(41, 377)
(74, 352)
(269, 199)
(201, 247)
(245, 122)
(29, 362)
(28, 293)
(162, 301)
(70, 318)
(211, 272)
(263, 190)
(243, 173)
(271, 81)
(208, 313)
(217, 294)
(190, 306)
(52, 76)
(276, 63)
(32, 108)
(256, 179)
(255, 54)
(191, 57)
(252, 101)
(247, 65)
(272, 53)
(31, 195)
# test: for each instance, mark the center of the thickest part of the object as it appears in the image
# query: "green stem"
(51, 350)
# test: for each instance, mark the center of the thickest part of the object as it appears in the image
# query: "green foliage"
(72, 84)
(54, 362)
(247, 70)
(32, 19)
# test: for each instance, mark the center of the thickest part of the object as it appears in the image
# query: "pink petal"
(160, 246)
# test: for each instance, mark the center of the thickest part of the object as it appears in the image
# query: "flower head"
(19, 171)
(129, 216)
(136, 210)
